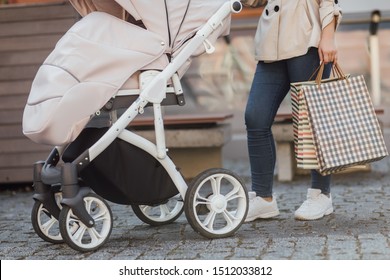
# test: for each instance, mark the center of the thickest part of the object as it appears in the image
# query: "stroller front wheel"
(80, 237)
(162, 214)
(44, 223)
(216, 203)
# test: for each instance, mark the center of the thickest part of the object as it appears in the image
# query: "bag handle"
(336, 71)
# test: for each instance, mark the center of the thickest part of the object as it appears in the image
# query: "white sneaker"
(316, 206)
(259, 208)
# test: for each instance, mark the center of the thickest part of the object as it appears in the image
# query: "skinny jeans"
(270, 85)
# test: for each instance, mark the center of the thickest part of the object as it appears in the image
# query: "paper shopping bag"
(305, 153)
(342, 118)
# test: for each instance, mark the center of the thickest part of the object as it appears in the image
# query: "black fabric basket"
(123, 173)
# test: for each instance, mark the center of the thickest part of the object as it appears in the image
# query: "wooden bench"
(28, 33)
(284, 138)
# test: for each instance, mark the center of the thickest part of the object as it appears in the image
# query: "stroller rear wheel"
(162, 214)
(77, 235)
(216, 203)
(44, 223)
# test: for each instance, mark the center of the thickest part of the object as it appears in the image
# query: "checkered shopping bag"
(341, 117)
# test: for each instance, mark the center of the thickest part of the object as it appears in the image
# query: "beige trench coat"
(288, 28)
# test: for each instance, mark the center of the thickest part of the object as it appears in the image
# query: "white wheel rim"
(47, 224)
(83, 236)
(163, 212)
(225, 201)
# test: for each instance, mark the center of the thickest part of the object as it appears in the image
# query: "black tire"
(45, 225)
(70, 225)
(216, 203)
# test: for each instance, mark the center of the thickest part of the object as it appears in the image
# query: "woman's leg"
(269, 87)
(319, 201)
(301, 69)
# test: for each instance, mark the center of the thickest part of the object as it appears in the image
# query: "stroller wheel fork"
(73, 194)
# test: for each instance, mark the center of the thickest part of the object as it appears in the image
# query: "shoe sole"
(264, 216)
(302, 218)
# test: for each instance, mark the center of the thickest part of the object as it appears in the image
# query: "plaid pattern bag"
(342, 119)
(347, 131)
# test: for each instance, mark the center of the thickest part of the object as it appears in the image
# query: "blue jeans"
(270, 85)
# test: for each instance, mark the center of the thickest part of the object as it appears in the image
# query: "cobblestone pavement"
(359, 228)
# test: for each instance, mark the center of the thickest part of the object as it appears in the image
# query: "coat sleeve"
(328, 10)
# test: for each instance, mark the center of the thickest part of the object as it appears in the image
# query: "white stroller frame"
(73, 196)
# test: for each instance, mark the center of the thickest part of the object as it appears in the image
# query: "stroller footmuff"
(130, 54)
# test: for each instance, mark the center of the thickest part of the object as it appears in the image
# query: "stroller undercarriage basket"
(122, 173)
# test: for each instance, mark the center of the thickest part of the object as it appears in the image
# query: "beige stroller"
(123, 56)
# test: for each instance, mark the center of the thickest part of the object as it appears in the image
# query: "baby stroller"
(123, 56)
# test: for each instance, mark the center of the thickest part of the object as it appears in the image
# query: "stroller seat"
(102, 54)
(139, 13)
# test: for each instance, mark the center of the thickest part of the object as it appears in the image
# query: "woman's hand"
(327, 49)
